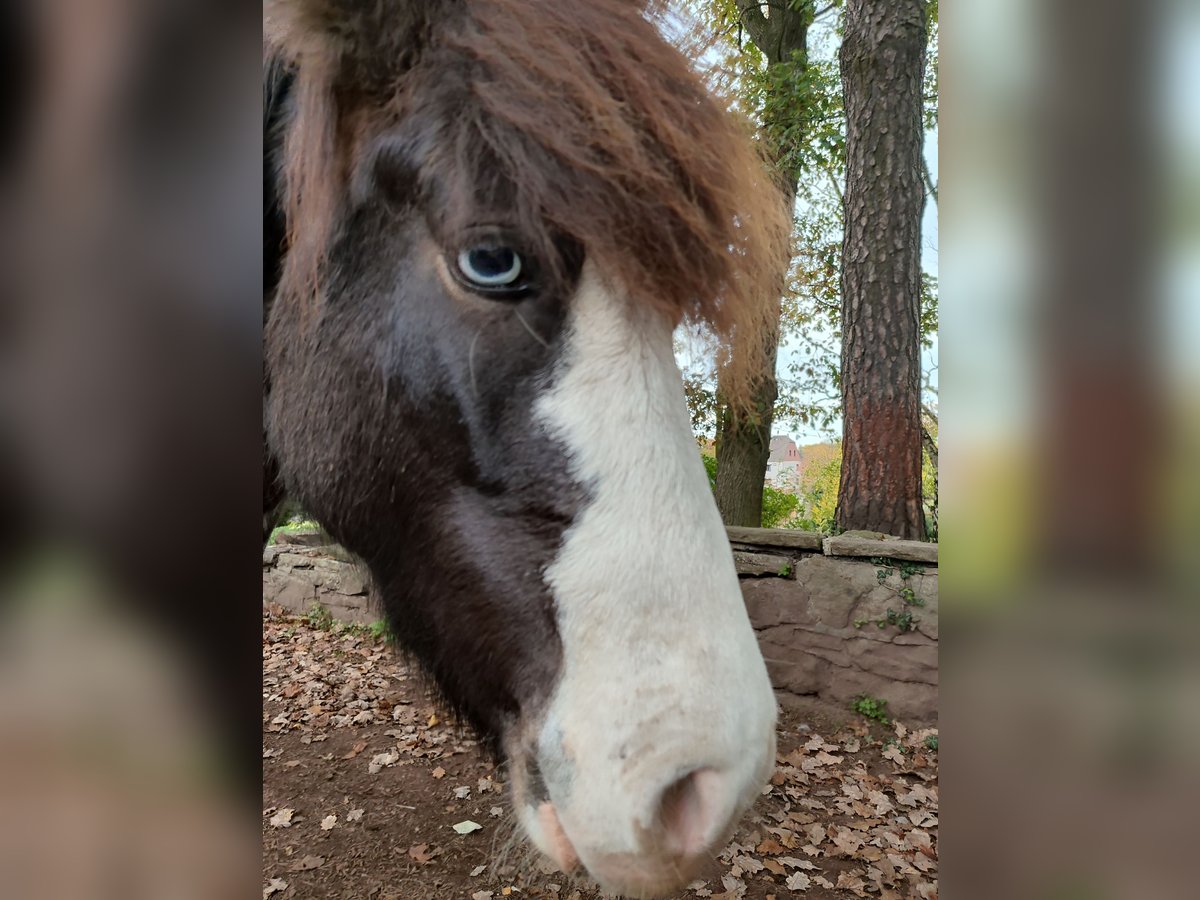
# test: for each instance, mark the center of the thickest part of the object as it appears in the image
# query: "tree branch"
(929, 185)
(755, 21)
(837, 188)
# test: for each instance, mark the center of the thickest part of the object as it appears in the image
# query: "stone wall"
(820, 607)
(310, 571)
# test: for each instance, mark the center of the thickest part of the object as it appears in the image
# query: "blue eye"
(490, 267)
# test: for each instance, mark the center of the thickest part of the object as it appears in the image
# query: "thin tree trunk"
(744, 442)
(743, 447)
(882, 62)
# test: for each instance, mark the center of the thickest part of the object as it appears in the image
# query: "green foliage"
(778, 506)
(929, 475)
(902, 618)
(380, 630)
(932, 742)
(871, 708)
(319, 617)
(818, 494)
(293, 526)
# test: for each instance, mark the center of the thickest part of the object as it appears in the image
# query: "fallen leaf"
(792, 863)
(380, 760)
(477, 871)
(496, 812)
(439, 772)
(462, 793)
(482, 895)
(275, 885)
(851, 882)
(771, 846)
(420, 853)
(309, 862)
(748, 864)
(797, 881)
(355, 750)
(467, 827)
(328, 822)
(734, 887)
(354, 815)
(433, 720)
(283, 818)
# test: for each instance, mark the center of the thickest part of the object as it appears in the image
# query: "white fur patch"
(662, 674)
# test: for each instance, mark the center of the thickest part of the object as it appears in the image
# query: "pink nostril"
(692, 812)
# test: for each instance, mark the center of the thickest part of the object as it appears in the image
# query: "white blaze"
(661, 674)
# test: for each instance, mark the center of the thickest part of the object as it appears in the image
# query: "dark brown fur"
(602, 126)
(400, 409)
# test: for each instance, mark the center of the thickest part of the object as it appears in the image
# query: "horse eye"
(490, 268)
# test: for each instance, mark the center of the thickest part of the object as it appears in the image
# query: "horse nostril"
(692, 812)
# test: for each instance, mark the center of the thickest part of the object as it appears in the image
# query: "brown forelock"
(606, 134)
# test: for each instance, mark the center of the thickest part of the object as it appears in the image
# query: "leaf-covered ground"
(370, 792)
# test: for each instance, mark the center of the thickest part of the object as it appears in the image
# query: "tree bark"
(744, 441)
(882, 61)
(743, 447)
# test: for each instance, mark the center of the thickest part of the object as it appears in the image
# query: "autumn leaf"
(467, 827)
(381, 760)
(420, 853)
(274, 886)
(358, 748)
(797, 881)
(851, 882)
(328, 822)
(439, 772)
(283, 818)
(354, 815)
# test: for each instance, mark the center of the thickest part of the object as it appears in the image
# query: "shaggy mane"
(601, 127)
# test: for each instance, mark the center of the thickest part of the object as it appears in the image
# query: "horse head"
(496, 213)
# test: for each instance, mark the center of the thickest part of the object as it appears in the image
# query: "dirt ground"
(364, 780)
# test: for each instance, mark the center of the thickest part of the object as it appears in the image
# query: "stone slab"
(893, 548)
(763, 564)
(788, 538)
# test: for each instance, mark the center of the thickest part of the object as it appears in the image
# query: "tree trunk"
(882, 62)
(743, 447)
(744, 442)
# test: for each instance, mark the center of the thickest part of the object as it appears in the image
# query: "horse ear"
(361, 43)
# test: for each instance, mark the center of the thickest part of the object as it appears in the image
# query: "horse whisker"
(471, 362)
(537, 337)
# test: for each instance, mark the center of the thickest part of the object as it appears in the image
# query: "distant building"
(784, 463)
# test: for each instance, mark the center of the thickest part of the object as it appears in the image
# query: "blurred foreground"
(1070, 266)
(130, 448)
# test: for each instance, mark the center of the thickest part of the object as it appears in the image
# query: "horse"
(483, 221)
